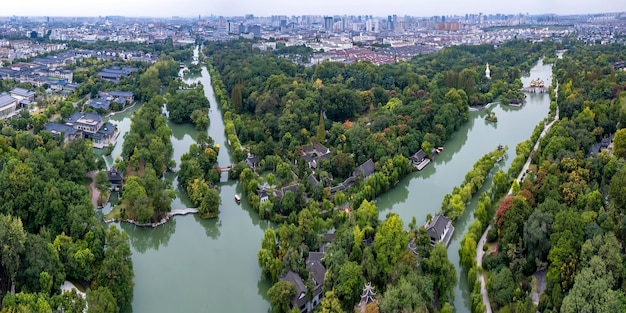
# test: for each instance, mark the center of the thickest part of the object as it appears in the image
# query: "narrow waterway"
(421, 193)
(194, 265)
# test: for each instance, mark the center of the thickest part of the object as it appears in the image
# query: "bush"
(492, 235)
(490, 262)
(485, 247)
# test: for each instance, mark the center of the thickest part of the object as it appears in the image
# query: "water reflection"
(211, 226)
(144, 238)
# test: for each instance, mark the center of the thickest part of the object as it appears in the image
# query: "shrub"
(492, 235)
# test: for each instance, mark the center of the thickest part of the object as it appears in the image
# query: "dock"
(422, 164)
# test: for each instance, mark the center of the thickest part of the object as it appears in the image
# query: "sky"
(192, 8)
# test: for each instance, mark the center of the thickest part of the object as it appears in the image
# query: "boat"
(237, 198)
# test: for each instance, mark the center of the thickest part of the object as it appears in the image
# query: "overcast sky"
(301, 7)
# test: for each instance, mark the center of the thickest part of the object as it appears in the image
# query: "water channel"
(194, 265)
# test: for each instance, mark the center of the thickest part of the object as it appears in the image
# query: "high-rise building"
(328, 23)
(389, 22)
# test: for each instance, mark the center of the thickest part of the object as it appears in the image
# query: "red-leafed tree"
(504, 206)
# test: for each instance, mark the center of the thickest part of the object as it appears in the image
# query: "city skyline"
(193, 8)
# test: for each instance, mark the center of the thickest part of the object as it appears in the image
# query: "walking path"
(543, 133)
(479, 262)
(95, 193)
(479, 250)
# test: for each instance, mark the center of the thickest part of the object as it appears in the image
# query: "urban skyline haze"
(193, 8)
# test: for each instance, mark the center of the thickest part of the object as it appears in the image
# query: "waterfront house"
(439, 229)
(263, 194)
(419, 160)
(122, 96)
(86, 125)
(99, 103)
(116, 178)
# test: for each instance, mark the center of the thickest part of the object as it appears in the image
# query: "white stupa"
(488, 72)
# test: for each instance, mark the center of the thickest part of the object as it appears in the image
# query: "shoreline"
(164, 220)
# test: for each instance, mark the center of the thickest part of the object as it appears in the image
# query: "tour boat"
(237, 198)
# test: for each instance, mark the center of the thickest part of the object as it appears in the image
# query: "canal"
(421, 193)
(195, 265)
(190, 264)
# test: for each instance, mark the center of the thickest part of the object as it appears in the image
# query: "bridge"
(182, 212)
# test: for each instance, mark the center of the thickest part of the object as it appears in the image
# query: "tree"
(101, 300)
(280, 295)
(390, 242)
(330, 303)
(442, 272)
(537, 235)
(102, 182)
(349, 283)
(619, 143)
(236, 98)
(12, 237)
(321, 130)
(501, 287)
(289, 202)
(116, 271)
(412, 293)
(592, 291)
(210, 205)
(200, 119)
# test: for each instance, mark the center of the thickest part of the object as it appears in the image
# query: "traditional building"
(419, 160)
(439, 229)
(317, 272)
(367, 296)
(86, 125)
(115, 178)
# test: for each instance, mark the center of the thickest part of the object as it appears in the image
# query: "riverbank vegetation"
(146, 155)
(356, 116)
(359, 111)
(564, 223)
(49, 230)
(199, 176)
(362, 249)
(453, 204)
(188, 106)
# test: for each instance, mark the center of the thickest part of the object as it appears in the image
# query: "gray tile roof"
(6, 99)
(366, 169)
(437, 226)
(119, 93)
(22, 92)
(56, 129)
(100, 103)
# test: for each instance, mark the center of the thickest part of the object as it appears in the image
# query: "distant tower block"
(488, 72)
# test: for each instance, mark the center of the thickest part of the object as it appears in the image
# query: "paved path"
(95, 193)
(479, 261)
(483, 238)
(527, 164)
